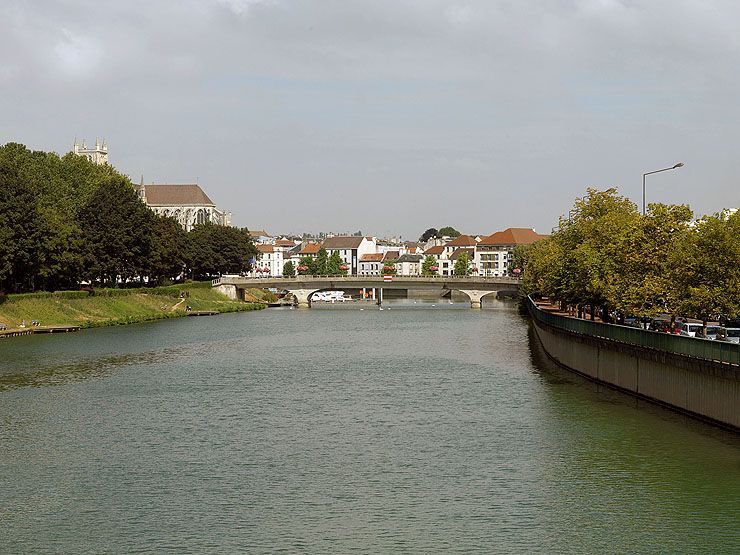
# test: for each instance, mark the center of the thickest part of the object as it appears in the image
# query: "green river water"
(417, 429)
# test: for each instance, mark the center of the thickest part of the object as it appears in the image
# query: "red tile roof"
(284, 243)
(512, 236)
(439, 249)
(265, 248)
(176, 195)
(462, 241)
(372, 257)
(310, 248)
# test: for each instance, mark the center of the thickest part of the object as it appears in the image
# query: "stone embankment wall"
(707, 389)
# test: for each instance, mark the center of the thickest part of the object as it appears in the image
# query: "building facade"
(351, 249)
(493, 253)
(188, 204)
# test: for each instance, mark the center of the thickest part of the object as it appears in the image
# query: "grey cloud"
(386, 115)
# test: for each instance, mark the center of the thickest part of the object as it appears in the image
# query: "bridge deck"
(355, 282)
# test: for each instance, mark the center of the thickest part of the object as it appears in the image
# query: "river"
(417, 429)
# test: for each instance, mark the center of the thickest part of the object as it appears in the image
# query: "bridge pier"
(475, 296)
(302, 296)
(228, 290)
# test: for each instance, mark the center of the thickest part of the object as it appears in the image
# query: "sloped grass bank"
(110, 307)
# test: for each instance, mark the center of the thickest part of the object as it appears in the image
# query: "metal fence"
(706, 349)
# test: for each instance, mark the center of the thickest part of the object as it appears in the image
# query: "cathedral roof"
(176, 195)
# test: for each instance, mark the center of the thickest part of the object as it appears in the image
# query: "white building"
(371, 264)
(97, 155)
(494, 253)
(188, 204)
(261, 236)
(409, 264)
(270, 263)
(351, 249)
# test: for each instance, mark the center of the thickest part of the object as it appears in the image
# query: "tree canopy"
(65, 220)
(448, 231)
(608, 254)
(428, 234)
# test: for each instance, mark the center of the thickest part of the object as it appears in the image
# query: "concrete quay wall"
(705, 389)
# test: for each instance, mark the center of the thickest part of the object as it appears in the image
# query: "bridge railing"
(705, 349)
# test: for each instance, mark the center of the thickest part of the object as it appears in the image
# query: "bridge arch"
(476, 296)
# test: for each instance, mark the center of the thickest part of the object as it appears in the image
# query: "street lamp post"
(679, 165)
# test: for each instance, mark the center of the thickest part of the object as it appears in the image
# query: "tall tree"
(307, 266)
(334, 265)
(321, 262)
(288, 269)
(709, 279)
(21, 230)
(169, 250)
(214, 250)
(117, 233)
(426, 267)
(462, 265)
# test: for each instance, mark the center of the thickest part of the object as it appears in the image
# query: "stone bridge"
(302, 287)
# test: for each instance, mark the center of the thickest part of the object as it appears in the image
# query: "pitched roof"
(343, 242)
(265, 248)
(310, 248)
(259, 233)
(462, 241)
(439, 249)
(409, 258)
(512, 236)
(284, 243)
(176, 195)
(372, 257)
(455, 255)
(391, 255)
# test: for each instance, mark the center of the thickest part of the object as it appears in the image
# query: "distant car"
(731, 335)
(689, 329)
(711, 333)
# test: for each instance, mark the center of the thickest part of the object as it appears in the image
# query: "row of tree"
(321, 265)
(607, 254)
(65, 220)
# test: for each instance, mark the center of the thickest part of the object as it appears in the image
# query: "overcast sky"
(387, 116)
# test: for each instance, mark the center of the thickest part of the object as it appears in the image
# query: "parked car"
(730, 321)
(664, 326)
(632, 321)
(689, 328)
(711, 333)
(731, 335)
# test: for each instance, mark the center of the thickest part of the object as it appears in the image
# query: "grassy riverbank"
(110, 307)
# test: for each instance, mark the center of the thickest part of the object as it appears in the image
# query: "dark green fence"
(707, 349)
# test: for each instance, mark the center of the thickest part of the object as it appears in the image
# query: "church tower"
(97, 155)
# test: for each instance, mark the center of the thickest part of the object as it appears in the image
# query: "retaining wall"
(707, 389)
